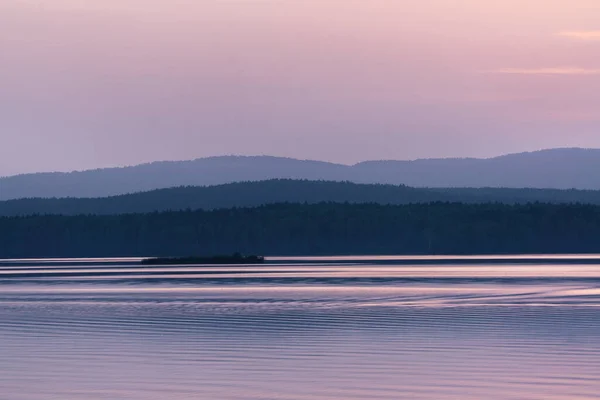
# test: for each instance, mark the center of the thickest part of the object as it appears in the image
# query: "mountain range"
(555, 168)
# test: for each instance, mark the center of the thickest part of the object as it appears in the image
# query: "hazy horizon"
(349, 164)
(122, 82)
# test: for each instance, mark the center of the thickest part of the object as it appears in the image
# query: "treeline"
(250, 194)
(303, 229)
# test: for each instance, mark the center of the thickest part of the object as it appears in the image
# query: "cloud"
(547, 71)
(581, 35)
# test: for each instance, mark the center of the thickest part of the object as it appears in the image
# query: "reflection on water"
(301, 331)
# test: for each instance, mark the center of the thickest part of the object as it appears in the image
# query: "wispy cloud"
(547, 71)
(581, 35)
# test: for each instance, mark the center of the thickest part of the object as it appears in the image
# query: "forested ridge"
(311, 229)
(249, 194)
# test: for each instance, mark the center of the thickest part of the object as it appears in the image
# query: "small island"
(214, 260)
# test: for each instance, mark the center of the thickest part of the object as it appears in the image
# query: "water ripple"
(317, 332)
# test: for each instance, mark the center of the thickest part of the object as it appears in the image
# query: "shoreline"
(545, 259)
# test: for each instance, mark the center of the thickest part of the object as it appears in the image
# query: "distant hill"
(556, 168)
(249, 194)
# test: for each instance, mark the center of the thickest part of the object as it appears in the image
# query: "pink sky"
(87, 84)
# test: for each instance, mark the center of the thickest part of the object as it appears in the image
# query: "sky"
(90, 83)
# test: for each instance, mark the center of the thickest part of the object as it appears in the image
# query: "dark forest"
(311, 229)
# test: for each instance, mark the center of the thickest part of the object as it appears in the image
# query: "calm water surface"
(316, 330)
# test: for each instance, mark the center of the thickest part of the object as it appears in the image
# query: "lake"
(313, 328)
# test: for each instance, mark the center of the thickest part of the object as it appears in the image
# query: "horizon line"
(290, 158)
